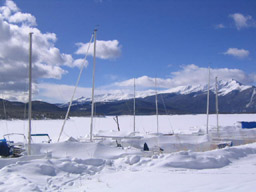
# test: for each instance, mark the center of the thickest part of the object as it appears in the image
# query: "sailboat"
(9, 148)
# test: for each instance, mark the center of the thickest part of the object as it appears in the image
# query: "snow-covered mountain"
(110, 97)
(233, 98)
(224, 87)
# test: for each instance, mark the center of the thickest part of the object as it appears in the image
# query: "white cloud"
(15, 91)
(61, 92)
(192, 74)
(104, 49)
(9, 8)
(5, 12)
(220, 26)
(14, 95)
(240, 53)
(145, 81)
(12, 6)
(242, 21)
(48, 61)
(80, 62)
(23, 18)
(189, 75)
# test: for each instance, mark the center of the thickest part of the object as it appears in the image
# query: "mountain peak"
(226, 87)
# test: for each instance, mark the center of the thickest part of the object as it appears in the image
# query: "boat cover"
(5, 149)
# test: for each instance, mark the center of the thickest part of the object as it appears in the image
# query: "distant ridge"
(234, 97)
(225, 87)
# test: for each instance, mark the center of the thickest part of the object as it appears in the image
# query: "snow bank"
(47, 174)
(210, 159)
(71, 163)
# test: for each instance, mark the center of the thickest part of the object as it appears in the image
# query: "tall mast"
(217, 105)
(208, 99)
(157, 125)
(134, 113)
(77, 81)
(93, 80)
(30, 94)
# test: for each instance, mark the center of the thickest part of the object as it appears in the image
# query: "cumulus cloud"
(239, 53)
(8, 9)
(105, 49)
(242, 21)
(61, 92)
(80, 62)
(23, 18)
(57, 93)
(48, 61)
(145, 81)
(12, 6)
(13, 90)
(190, 75)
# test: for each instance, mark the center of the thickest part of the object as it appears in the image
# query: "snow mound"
(207, 160)
(62, 173)
(132, 159)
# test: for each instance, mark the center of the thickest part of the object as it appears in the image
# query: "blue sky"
(174, 41)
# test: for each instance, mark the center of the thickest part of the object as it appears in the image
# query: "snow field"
(67, 173)
(101, 166)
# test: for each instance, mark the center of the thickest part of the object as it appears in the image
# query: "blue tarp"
(5, 149)
(248, 124)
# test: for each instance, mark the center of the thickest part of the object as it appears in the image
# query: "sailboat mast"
(93, 80)
(157, 124)
(217, 105)
(208, 99)
(30, 94)
(134, 113)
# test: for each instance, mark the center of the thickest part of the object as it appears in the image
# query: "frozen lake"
(78, 127)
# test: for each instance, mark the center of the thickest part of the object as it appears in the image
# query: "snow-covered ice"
(73, 165)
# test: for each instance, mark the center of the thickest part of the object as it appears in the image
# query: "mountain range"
(233, 97)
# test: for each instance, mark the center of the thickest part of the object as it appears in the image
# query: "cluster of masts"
(92, 106)
(30, 90)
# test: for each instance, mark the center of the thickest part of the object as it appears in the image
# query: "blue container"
(248, 124)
